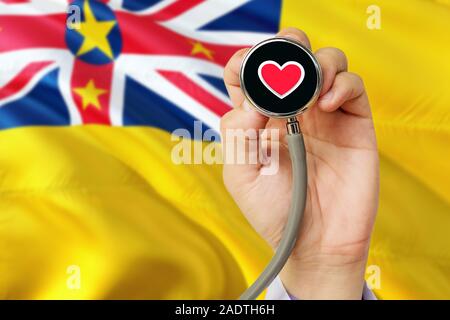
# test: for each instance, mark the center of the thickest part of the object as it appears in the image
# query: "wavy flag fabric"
(92, 205)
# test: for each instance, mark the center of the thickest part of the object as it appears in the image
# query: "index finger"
(231, 77)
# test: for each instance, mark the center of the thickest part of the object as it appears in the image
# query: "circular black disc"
(280, 77)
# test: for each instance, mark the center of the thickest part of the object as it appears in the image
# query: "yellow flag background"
(406, 69)
(97, 212)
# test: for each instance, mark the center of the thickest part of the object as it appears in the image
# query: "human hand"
(328, 261)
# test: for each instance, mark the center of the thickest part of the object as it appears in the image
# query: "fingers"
(332, 62)
(231, 78)
(341, 88)
(347, 92)
(295, 34)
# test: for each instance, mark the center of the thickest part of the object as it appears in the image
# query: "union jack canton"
(123, 62)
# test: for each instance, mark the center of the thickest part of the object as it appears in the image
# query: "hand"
(328, 261)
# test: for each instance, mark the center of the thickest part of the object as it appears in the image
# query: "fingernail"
(328, 96)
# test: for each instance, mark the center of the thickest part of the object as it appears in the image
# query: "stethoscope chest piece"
(280, 77)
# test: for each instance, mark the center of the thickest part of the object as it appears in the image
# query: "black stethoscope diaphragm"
(280, 77)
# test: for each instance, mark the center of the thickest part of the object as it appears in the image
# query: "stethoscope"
(281, 78)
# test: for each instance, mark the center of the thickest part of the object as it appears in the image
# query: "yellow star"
(95, 33)
(199, 48)
(90, 95)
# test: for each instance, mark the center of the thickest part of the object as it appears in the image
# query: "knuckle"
(331, 55)
(352, 84)
(340, 53)
(358, 80)
(340, 57)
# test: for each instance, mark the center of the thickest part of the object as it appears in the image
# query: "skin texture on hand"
(329, 259)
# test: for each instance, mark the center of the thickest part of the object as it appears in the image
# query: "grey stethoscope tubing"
(299, 176)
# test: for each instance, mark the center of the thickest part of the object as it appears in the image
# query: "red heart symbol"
(281, 80)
